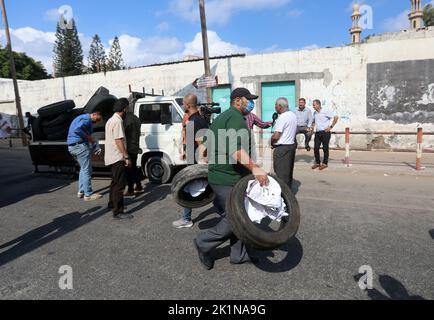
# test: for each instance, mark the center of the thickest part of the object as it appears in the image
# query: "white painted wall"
(345, 90)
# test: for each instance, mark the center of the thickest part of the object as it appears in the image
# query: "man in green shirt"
(229, 149)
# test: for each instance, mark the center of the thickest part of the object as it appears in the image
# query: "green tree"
(428, 15)
(115, 60)
(97, 56)
(27, 68)
(68, 53)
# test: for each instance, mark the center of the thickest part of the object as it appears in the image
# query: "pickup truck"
(160, 141)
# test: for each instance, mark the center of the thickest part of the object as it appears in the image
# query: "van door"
(161, 129)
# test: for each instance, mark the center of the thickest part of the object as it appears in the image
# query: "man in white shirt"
(283, 141)
(325, 121)
(117, 158)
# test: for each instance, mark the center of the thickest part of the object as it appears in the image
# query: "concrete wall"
(337, 76)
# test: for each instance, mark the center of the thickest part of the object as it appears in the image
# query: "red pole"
(347, 147)
(419, 149)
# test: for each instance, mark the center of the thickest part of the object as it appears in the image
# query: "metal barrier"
(419, 134)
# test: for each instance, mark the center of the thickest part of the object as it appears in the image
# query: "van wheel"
(158, 170)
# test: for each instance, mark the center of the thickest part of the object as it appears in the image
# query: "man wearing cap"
(283, 141)
(117, 158)
(229, 159)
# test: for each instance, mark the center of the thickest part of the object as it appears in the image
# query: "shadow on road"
(152, 193)
(304, 158)
(39, 237)
(394, 289)
(431, 233)
(24, 186)
(271, 261)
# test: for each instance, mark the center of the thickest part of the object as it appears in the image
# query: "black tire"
(159, 170)
(98, 136)
(63, 119)
(55, 131)
(254, 235)
(77, 112)
(103, 103)
(38, 134)
(58, 136)
(56, 108)
(182, 179)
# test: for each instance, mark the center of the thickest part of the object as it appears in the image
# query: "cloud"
(219, 12)
(54, 14)
(136, 51)
(398, 23)
(139, 52)
(36, 43)
(217, 47)
(295, 13)
(163, 26)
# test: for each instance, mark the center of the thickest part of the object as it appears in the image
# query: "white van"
(160, 140)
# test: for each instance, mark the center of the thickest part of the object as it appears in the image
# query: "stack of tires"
(102, 101)
(54, 121)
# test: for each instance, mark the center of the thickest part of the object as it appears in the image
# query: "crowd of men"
(235, 160)
(238, 161)
(122, 136)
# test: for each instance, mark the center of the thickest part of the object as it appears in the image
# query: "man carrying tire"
(196, 123)
(229, 150)
(81, 145)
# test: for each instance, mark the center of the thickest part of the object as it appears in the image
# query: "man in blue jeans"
(81, 145)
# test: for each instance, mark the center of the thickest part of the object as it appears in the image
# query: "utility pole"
(14, 74)
(205, 46)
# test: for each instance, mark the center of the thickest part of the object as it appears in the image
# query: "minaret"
(355, 30)
(416, 14)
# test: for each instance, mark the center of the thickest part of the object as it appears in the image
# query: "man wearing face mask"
(81, 145)
(229, 161)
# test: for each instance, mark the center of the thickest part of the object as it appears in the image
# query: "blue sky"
(157, 31)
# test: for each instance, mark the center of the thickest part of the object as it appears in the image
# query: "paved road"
(349, 219)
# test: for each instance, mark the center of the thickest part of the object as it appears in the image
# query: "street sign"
(206, 82)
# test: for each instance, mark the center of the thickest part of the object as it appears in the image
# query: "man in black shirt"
(194, 133)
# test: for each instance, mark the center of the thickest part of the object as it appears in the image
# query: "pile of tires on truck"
(55, 119)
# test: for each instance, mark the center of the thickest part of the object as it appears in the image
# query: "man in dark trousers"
(283, 142)
(193, 133)
(117, 158)
(325, 121)
(229, 161)
(132, 127)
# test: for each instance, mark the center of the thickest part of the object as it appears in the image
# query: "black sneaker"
(308, 149)
(123, 216)
(205, 259)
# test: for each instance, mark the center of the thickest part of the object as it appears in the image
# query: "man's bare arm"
(243, 158)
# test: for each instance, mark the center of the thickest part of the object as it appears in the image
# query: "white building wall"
(342, 85)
